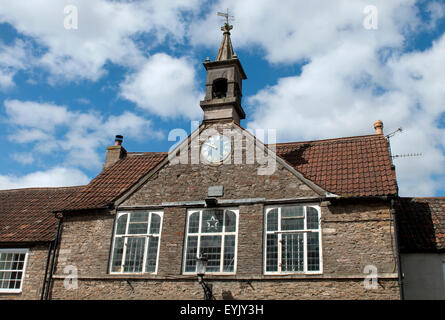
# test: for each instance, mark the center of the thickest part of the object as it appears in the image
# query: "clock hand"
(212, 146)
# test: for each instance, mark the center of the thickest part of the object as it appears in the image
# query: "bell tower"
(224, 83)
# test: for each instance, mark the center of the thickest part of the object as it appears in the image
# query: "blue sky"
(135, 68)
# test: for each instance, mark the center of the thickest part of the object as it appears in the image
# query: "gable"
(187, 175)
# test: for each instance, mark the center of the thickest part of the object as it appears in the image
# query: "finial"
(227, 27)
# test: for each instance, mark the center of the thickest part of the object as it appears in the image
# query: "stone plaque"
(216, 191)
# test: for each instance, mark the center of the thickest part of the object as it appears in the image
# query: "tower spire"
(225, 51)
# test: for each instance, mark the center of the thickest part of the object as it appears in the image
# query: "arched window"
(219, 88)
(212, 232)
(136, 242)
(292, 239)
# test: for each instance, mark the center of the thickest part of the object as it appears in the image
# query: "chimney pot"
(378, 126)
(118, 140)
(115, 153)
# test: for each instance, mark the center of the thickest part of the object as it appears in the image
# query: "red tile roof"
(26, 215)
(421, 224)
(354, 166)
(114, 181)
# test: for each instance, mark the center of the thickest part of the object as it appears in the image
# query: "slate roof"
(114, 181)
(26, 215)
(421, 224)
(351, 167)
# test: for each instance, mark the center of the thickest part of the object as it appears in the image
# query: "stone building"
(422, 247)
(300, 220)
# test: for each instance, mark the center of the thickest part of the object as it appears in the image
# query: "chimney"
(115, 153)
(378, 126)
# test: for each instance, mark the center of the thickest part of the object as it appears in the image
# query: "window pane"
(312, 218)
(313, 254)
(272, 220)
(211, 247)
(12, 264)
(117, 254)
(152, 254)
(230, 221)
(194, 222)
(212, 221)
(292, 224)
(138, 223)
(191, 253)
(134, 255)
(155, 224)
(229, 254)
(292, 252)
(292, 212)
(121, 224)
(272, 252)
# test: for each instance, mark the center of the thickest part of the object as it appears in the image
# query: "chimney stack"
(115, 153)
(378, 126)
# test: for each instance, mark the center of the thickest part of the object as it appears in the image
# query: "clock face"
(216, 148)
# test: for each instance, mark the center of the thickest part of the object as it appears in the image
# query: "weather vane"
(227, 16)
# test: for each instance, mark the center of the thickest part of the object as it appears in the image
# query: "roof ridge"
(330, 140)
(42, 188)
(134, 153)
(426, 198)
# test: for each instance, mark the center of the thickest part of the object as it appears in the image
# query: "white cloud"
(294, 30)
(12, 59)
(23, 158)
(81, 135)
(165, 86)
(106, 31)
(56, 177)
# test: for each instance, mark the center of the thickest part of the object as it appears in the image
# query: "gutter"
(53, 257)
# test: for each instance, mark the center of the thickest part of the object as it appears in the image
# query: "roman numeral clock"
(216, 148)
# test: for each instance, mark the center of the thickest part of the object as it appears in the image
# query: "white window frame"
(25, 263)
(126, 236)
(305, 231)
(199, 234)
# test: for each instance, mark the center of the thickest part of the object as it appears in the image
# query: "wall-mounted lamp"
(201, 265)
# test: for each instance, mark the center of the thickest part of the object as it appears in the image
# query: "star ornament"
(212, 223)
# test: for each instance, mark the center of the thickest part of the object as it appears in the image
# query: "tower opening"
(219, 88)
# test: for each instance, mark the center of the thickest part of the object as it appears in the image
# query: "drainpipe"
(46, 270)
(399, 260)
(56, 242)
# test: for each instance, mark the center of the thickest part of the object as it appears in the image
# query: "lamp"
(201, 266)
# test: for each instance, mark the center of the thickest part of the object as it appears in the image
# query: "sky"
(75, 73)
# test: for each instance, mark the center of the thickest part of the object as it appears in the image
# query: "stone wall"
(35, 272)
(234, 289)
(354, 235)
